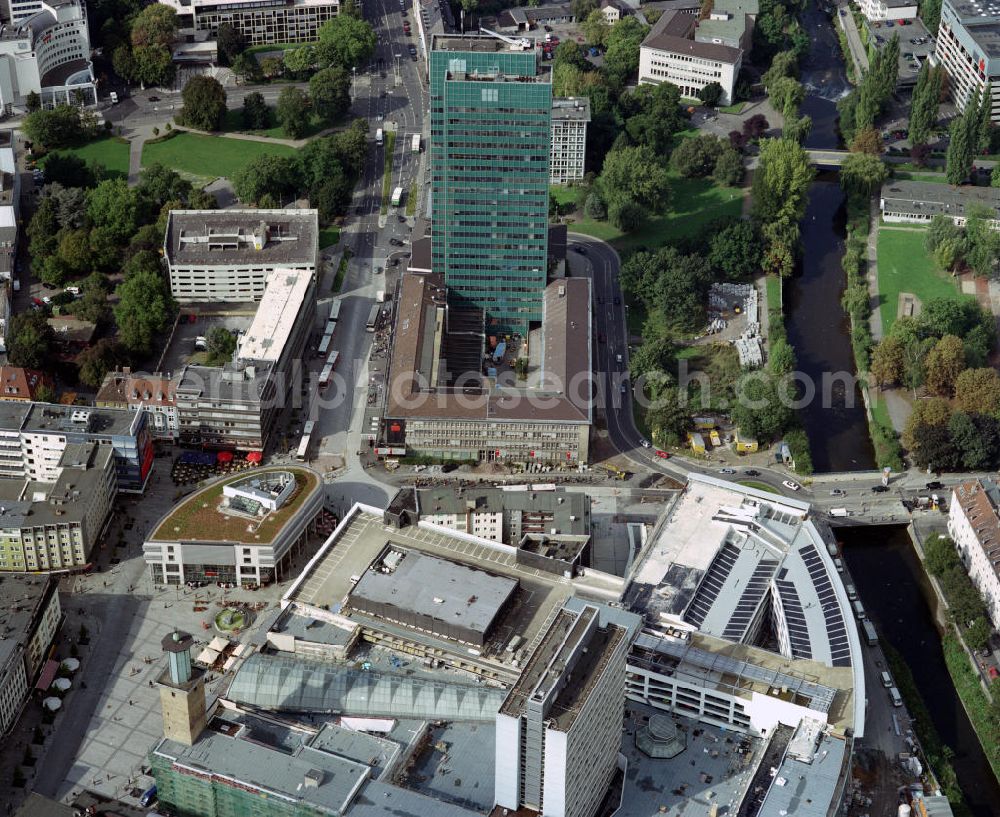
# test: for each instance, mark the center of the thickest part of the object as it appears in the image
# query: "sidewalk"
(859, 54)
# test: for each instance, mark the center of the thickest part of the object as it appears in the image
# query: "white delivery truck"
(415, 143)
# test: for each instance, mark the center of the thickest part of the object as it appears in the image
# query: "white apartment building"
(261, 22)
(968, 46)
(570, 117)
(909, 202)
(228, 255)
(879, 10)
(974, 526)
(673, 52)
(47, 53)
(559, 730)
(29, 615)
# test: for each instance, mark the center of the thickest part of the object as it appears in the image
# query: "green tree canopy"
(29, 340)
(143, 312)
(204, 103)
(346, 41)
(293, 112)
(330, 91)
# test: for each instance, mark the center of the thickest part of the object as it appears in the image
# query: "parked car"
(934, 486)
(727, 470)
(837, 492)
(791, 486)
(663, 455)
(879, 489)
(752, 472)
(645, 443)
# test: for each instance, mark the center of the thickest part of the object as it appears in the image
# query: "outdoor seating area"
(194, 466)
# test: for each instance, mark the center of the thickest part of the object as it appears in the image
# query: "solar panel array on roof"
(749, 603)
(712, 583)
(795, 620)
(840, 650)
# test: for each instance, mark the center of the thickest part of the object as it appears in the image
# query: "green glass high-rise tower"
(491, 109)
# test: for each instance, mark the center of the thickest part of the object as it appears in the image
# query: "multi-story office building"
(47, 52)
(559, 730)
(228, 255)
(246, 536)
(29, 617)
(677, 51)
(569, 138)
(33, 437)
(261, 22)
(55, 526)
(968, 46)
(235, 405)
(445, 402)
(491, 111)
(974, 526)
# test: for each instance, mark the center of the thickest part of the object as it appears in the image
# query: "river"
(818, 327)
(891, 584)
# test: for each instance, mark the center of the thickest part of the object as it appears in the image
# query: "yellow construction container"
(746, 445)
(697, 443)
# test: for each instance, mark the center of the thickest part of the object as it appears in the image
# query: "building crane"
(515, 42)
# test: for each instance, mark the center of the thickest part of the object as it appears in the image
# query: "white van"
(886, 680)
(852, 593)
(894, 696)
(859, 610)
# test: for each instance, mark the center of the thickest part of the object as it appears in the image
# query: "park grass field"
(905, 266)
(208, 157)
(694, 204)
(109, 151)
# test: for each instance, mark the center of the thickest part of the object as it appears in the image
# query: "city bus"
(397, 197)
(327, 374)
(324, 344)
(307, 430)
(415, 144)
(373, 317)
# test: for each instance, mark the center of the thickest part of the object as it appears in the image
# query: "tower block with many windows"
(491, 126)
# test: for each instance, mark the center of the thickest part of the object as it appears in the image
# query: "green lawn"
(694, 203)
(565, 195)
(773, 284)
(328, 237)
(760, 486)
(411, 200)
(208, 157)
(234, 124)
(906, 175)
(905, 266)
(111, 151)
(737, 108)
(264, 49)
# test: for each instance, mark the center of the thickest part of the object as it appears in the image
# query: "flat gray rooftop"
(810, 787)
(712, 769)
(311, 629)
(469, 42)
(13, 414)
(68, 419)
(568, 512)
(463, 772)
(266, 755)
(451, 593)
(929, 199)
(263, 238)
(20, 596)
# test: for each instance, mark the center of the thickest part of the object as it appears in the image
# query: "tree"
(621, 60)
(977, 635)
(581, 8)
(625, 214)
(797, 128)
(204, 103)
(696, 157)
(154, 25)
(74, 251)
(759, 410)
(300, 61)
(658, 116)
(735, 251)
(246, 67)
(229, 42)
(944, 364)
(958, 159)
(888, 362)
(784, 64)
(29, 340)
(945, 316)
(292, 112)
(221, 345)
(32, 102)
(939, 554)
(868, 140)
(594, 207)
(595, 28)
(276, 175)
(924, 105)
(935, 411)
(863, 173)
(69, 170)
(95, 362)
(983, 242)
(632, 175)
(93, 303)
(114, 205)
(781, 357)
(330, 91)
(977, 391)
(346, 41)
(781, 182)
(681, 289)
(711, 94)
(159, 184)
(755, 127)
(153, 64)
(786, 95)
(930, 13)
(668, 418)
(143, 312)
(977, 439)
(256, 114)
(933, 449)
(56, 128)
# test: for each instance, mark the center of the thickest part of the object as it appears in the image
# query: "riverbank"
(960, 661)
